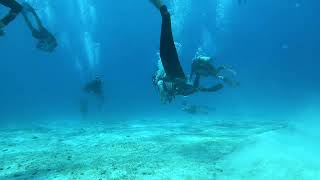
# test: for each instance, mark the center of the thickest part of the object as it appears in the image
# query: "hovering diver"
(46, 41)
(174, 81)
(15, 9)
(203, 66)
(95, 88)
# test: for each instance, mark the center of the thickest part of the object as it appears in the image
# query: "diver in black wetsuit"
(175, 82)
(203, 66)
(94, 87)
(46, 41)
(15, 9)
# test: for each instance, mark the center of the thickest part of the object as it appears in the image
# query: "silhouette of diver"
(15, 9)
(46, 41)
(174, 82)
(94, 87)
(203, 66)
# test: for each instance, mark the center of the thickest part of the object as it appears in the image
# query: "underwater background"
(269, 125)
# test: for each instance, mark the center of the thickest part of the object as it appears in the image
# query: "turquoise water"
(267, 128)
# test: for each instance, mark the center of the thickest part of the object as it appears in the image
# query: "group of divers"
(170, 79)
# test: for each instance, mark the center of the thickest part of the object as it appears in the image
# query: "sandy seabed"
(200, 147)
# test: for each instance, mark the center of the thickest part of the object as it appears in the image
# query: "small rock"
(1, 169)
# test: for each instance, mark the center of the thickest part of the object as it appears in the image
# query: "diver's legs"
(28, 8)
(168, 51)
(28, 22)
(15, 7)
(38, 20)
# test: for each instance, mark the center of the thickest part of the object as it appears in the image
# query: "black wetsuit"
(171, 63)
(168, 51)
(15, 7)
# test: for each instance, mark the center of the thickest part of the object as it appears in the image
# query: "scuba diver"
(15, 9)
(171, 80)
(46, 41)
(94, 87)
(203, 66)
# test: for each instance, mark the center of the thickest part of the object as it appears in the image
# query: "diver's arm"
(168, 51)
(212, 89)
(15, 7)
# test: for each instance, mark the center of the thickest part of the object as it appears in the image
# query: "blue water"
(273, 46)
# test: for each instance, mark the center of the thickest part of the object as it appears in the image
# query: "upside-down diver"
(173, 81)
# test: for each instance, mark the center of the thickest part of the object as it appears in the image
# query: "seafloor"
(201, 147)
